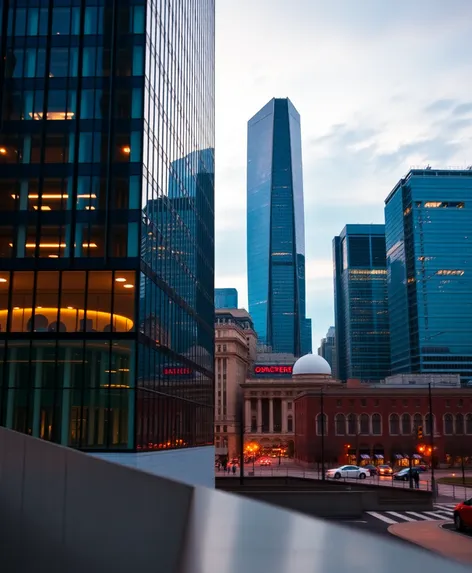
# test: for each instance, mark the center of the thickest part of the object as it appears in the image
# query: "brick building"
(379, 423)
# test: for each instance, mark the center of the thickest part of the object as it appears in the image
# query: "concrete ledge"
(431, 535)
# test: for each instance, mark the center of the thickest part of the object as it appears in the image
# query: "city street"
(288, 468)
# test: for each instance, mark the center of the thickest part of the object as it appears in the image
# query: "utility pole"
(323, 477)
(431, 443)
(241, 439)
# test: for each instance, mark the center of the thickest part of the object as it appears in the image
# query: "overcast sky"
(380, 86)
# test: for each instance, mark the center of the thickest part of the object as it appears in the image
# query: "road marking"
(437, 515)
(400, 515)
(445, 514)
(425, 517)
(447, 507)
(381, 517)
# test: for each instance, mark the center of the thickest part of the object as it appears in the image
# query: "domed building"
(269, 394)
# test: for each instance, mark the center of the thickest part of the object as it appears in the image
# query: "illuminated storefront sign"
(177, 371)
(273, 369)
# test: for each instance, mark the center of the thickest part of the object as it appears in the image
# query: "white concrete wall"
(194, 466)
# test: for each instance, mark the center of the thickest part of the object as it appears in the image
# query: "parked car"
(404, 474)
(463, 515)
(371, 469)
(265, 462)
(384, 470)
(347, 472)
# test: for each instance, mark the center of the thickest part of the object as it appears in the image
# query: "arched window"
(406, 424)
(376, 425)
(417, 421)
(364, 424)
(459, 424)
(319, 426)
(468, 424)
(448, 422)
(352, 424)
(427, 424)
(394, 424)
(340, 424)
(290, 424)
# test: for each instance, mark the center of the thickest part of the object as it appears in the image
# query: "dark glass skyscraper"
(361, 310)
(226, 298)
(428, 218)
(107, 222)
(276, 229)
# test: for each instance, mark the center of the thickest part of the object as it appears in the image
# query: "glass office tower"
(104, 105)
(428, 221)
(226, 298)
(276, 229)
(360, 303)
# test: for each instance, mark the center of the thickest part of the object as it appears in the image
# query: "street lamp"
(431, 433)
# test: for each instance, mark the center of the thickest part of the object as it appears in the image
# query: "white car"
(346, 472)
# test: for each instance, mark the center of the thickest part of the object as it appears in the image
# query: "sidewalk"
(431, 536)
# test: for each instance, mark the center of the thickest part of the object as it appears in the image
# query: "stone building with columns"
(269, 395)
(235, 351)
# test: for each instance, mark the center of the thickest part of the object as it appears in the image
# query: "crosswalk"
(442, 511)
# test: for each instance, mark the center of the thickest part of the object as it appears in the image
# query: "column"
(38, 376)
(66, 391)
(284, 416)
(259, 415)
(271, 415)
(247, 416)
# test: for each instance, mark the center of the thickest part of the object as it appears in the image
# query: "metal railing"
(456, 491)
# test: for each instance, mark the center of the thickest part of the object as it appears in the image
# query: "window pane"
(4, 287)
(99, 302)
(72, 313)
(46, 305)
(22, 301)
(124, 295)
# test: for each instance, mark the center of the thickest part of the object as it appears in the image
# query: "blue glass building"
(428, 218)
(107, 223)
(226, 298)
(361, 308)
(276, 229)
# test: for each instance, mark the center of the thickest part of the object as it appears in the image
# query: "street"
(289, 468)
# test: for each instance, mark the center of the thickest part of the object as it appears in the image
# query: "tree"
(459, 447)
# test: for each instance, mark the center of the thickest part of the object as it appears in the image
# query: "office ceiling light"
(56, 245)
(3, 151)
(43, 208)
(53, 115)
(120, 280)
(128, 286)
(53, 256)
(2, 280)
(126, 149)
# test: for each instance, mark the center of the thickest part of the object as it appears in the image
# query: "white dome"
(311, 364)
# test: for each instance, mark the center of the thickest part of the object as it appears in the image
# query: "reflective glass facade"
(276, 229)
(361, 308)
(428, 218)
(226, 298)
(107, 222)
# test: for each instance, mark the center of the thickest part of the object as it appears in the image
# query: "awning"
(399, 456)
(379, 456)
(365, 456)
(417, 456)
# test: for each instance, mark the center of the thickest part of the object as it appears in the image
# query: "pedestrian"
(234, 468)
(416, 478)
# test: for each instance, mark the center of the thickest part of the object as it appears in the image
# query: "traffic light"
(419, 432)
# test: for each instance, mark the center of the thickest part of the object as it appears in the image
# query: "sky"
(381, 87)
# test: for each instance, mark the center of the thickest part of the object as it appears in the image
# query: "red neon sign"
(273, 369)
(177, 371)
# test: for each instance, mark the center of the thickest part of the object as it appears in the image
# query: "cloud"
(440, 105)
(463, 109)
